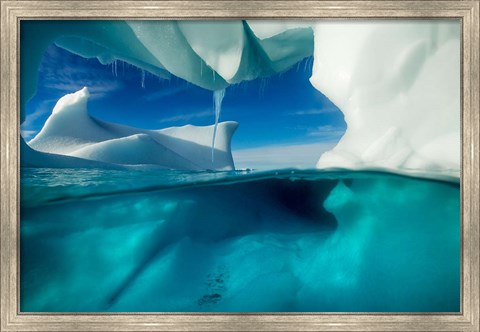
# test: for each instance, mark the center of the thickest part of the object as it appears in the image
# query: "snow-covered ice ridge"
(73, 138)
(397, 82)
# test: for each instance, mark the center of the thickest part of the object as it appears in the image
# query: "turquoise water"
(171, 241)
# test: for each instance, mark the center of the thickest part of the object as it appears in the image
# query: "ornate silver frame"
(13, 11)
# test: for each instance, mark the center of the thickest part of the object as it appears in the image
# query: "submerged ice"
(70, 134)
(303, 241)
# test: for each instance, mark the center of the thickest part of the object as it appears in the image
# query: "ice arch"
(211, 55)
(397, 82)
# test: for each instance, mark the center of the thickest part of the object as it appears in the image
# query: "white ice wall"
(398, 85)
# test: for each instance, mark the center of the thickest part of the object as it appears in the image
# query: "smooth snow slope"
(398, 85)
(36, 159)
(71, 131)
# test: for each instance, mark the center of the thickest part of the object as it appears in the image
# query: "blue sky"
(284, 121)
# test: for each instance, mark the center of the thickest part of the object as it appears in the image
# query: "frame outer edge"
(7, 277)
(9, 121)
(3, 245)
(475, 124)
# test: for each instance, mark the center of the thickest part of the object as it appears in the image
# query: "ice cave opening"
(284, 121)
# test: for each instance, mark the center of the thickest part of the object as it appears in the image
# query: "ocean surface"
(243, 241)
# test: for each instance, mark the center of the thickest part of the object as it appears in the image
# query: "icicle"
(115, 67)
(305, 66)
(263, 85)
(143, 79)
(217, 106)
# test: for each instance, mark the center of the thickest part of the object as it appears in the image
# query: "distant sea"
(96, 240)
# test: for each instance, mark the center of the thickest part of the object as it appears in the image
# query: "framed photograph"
(240, 165)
